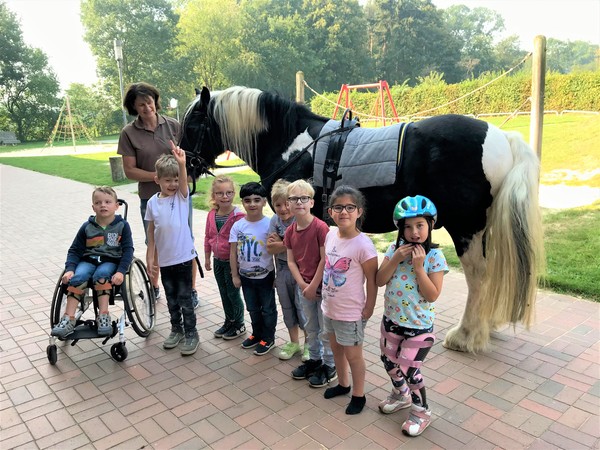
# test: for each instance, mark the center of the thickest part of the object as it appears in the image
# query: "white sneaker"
(419, 418)
(395, 402)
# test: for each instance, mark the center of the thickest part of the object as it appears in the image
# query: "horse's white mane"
(236, 111)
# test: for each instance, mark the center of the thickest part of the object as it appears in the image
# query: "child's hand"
(67, 276)
(117, 279)
(207, 265)
(178, 153)
(367, 312)
(237, 282)
(403, 252)
(418, 256)
(273, 238)
(310, 293)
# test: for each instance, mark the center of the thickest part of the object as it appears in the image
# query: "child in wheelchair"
(102, 252)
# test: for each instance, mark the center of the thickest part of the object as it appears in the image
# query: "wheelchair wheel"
(59, 302)
(138, 297)
(118, 351)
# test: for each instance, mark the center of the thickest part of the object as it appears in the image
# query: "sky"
(55, 27)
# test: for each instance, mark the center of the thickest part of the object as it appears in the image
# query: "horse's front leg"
(472, 334)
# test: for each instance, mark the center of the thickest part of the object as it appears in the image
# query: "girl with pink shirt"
(350, 261)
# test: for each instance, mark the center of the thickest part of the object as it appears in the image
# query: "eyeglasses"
(302, 198)
(225, 194)
(339, 208)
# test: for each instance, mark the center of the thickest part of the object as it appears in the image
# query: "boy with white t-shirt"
(252, 268)
(167, 215)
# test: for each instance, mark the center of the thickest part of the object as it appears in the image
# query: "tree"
(566, 56)
(208, 35)
(476, 29)
(28, 86)
(408, 39)
(147, 29)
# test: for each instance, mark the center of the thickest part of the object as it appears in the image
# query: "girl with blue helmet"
(412, 272)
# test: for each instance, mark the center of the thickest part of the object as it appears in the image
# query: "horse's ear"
(204, 96)
(197, 91)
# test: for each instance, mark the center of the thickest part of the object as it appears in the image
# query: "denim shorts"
(346, 333)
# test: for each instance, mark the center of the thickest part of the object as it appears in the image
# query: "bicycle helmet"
(417, 206)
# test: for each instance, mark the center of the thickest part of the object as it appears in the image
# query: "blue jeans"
(86, 270)
(318, 340)
(260, 303)
(233, 307)
(177, 281)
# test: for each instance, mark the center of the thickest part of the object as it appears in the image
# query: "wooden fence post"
(300, 87)
(116, 168)
(538, 81)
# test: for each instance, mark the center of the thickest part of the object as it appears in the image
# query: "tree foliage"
(147, 29)
(408, 39)
(28, 86)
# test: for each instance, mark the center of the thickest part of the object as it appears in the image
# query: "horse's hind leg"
(473, 332)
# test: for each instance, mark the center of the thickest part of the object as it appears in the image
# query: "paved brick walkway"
(534, 389)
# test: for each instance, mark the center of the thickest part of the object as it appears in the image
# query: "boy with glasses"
(305, 242)
(252, 268)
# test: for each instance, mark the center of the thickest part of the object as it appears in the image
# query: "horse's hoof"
(462, 340)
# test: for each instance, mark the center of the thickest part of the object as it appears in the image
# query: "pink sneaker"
(419, 418)
(395, 402)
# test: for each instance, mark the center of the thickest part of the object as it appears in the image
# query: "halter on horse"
(484, 182)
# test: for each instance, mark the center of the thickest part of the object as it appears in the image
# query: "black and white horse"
(483, 181)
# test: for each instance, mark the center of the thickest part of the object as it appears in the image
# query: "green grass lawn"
(570, 155)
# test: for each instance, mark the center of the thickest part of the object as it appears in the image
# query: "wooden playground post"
(300, 87)
(538, 81)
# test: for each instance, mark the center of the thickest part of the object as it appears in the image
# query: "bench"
(8, 138)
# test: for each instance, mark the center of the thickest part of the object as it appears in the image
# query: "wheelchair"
(137, 296)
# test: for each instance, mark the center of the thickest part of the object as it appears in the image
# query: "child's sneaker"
(250, 342)
(306, 370)
(224, 329)
(395, 402)
(263, 348)
(289, 350)
(323, 376)
(305, 353)
(65, 327)
(419, 418)
(104, 325)
(190, 345)
(173, 340)
(234, 332)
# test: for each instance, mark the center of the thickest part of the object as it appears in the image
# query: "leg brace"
(405, 355)
(77, 292)
(103, 288)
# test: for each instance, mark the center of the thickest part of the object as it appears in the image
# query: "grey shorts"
(346, 333)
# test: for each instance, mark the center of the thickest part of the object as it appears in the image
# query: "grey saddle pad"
(370, 156)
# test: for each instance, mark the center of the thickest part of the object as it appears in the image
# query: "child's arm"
(370, 271)
(430, 285)
(126, 255)
(389, 265)
(275, 244)
(150, 249)
(310, 292)
(294, 270)
(180, 157)
(233, 263)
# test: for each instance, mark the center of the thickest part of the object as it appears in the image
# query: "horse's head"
(197, 137)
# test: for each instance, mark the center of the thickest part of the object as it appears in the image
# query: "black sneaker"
(224, 329)
(323, 376)
(234, 332)
(250, 342)
(263, 348)
(306, 370)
